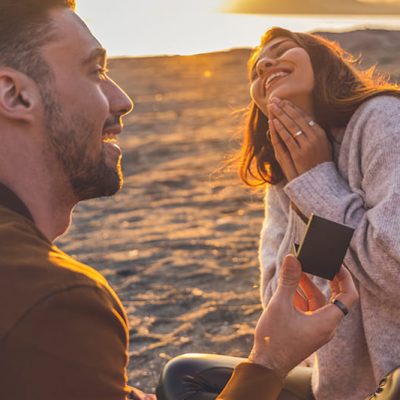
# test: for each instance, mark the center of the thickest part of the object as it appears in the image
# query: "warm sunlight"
(176, 9)
(138, 27)
(180, 8)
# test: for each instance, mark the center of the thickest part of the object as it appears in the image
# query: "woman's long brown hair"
(340, 88)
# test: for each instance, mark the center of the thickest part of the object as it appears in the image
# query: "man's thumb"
(290, 275)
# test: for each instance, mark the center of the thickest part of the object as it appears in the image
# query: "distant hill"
(374, 46)
(308, 7)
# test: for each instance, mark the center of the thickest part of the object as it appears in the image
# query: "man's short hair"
(25, 25)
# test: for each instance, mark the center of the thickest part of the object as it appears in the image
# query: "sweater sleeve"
(272, 233)
(72, 345)
(252, 381)
(372, 206)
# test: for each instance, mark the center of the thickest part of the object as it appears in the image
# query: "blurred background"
(137, 27)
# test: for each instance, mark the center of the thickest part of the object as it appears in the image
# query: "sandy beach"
(179, 243)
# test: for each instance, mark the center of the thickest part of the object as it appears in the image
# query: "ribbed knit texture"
(361, 188)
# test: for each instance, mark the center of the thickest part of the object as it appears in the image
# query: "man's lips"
(110, 134)
(114, 131)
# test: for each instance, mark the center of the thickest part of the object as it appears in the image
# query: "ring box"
(323, 247)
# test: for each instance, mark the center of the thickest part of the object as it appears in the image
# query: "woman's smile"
(273, 78)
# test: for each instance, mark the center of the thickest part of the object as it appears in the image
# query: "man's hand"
(299, 143)
(297, 323)
(137, 394)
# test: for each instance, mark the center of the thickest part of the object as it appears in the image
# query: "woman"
(324, 137)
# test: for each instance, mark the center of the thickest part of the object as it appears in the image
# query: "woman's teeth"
(273, 76)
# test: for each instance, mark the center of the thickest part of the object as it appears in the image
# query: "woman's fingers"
(296, 120)
(286, 136)
(292, 132)
(306, 142)
(282, 153)
(301, 119)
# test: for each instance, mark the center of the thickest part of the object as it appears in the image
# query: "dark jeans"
(203, 376)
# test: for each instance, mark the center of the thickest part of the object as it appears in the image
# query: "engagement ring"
(298, 133)
(311, 123)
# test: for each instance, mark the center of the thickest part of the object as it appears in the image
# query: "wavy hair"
(339, 89)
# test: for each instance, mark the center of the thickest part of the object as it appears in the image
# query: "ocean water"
(145, 31)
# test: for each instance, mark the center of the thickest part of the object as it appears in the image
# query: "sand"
(179, 243)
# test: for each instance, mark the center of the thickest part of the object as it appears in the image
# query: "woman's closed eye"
(281, 50)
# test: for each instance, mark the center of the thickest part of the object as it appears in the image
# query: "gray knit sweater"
(361, 188)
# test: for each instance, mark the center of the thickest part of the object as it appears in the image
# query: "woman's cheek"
(260, 102)
(252, 92)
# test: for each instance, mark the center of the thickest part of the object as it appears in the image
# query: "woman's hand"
(299, 143)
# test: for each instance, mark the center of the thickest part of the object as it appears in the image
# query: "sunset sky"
(147, 27)
(389, 7)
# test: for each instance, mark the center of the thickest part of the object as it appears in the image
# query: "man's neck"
(51, 215)
(30, 170)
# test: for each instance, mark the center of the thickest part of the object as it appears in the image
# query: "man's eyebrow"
(95, 55)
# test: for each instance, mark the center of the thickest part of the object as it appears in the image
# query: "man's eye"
(101, 71)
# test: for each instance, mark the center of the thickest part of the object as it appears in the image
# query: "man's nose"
(126, 103)
(120, 103)
(263, 64)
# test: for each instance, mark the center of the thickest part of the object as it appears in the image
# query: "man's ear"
(19, 95)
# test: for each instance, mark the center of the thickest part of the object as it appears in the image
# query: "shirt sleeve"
(369, 201)
(72, 345)
(272, 233)
(252, 381)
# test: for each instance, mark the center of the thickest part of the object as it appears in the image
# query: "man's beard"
(70, 138)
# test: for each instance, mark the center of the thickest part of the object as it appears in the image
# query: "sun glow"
(149, 27)
(151, 24)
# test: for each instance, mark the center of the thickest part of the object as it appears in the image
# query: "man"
(63, 331)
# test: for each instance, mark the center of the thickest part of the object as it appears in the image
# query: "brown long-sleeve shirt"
(252, 381)
(63, 330)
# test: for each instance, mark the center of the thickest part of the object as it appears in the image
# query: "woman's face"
(283, 69)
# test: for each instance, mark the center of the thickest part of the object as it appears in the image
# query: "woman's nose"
(263, 64)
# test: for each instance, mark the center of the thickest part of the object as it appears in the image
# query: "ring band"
(298, 133)
(311, 123)
(340, 306)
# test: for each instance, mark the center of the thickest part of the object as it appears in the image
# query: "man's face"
(82, 110)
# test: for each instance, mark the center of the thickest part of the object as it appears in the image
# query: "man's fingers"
(345, 280)
(289, 277)
(347, 292)
(300, 302)
(334, 285)
(316, 298)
